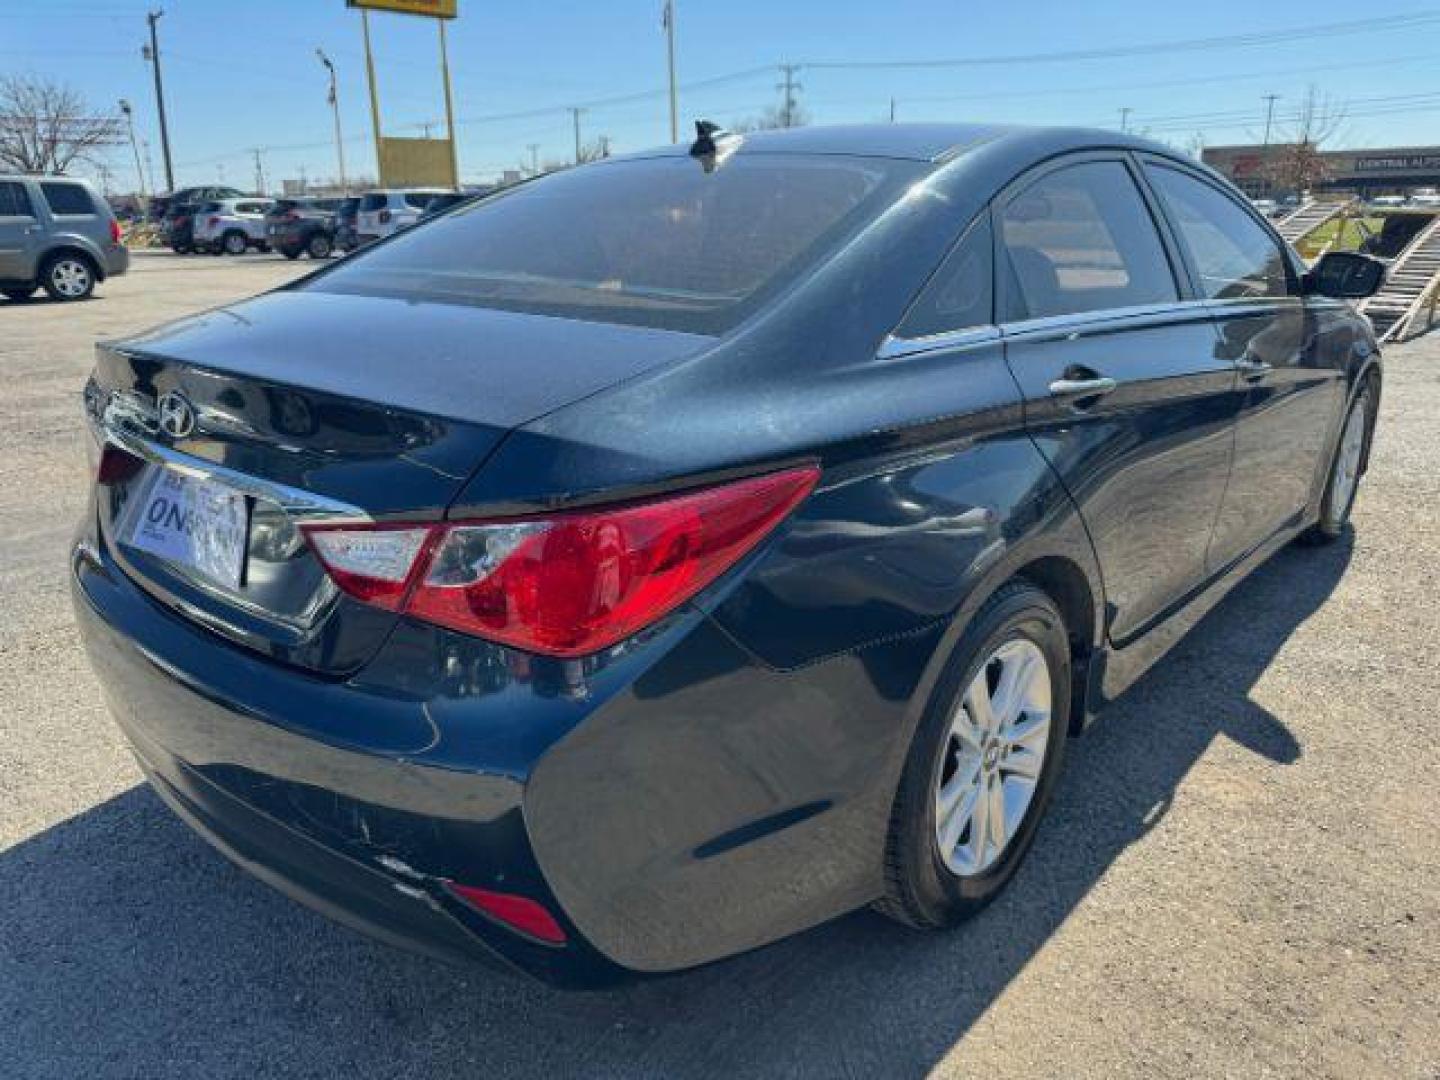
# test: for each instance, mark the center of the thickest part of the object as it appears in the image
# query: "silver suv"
(384, 212)
(58, 234)
(233, 226)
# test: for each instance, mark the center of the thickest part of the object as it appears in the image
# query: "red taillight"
(214, 221)
(385, 217)
(567, 584)
(115, 233)
(517, 912)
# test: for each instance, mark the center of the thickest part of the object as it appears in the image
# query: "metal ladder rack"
(1412, 285)
(1295, 226)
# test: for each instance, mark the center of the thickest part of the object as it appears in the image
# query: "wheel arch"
(97, 266)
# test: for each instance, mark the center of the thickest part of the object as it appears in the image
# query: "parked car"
(678, 551)
(232, 226)
(346, 238)
(1396, 231)
(56, 234)
(302, 225)
(384, 212)
(160, 204)
(178, 227)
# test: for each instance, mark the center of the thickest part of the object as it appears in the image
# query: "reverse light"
(566, 584)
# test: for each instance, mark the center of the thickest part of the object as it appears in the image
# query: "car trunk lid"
(238, 425)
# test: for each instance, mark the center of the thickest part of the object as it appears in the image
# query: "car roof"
(931, 142)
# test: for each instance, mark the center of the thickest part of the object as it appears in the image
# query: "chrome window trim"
(893, 347)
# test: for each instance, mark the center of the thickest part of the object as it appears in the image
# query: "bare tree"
(45, 127)
(1298, 164)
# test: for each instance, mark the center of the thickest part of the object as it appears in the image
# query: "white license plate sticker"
(196, 523)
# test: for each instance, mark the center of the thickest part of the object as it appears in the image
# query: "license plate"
(195, 523)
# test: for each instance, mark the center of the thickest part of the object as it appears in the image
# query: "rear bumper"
(117, 260)
(362, 835)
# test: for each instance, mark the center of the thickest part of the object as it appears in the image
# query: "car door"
(20, 233)
(1125, 392)
(1293, 391)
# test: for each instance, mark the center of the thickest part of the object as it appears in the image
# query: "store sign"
(436, 9)
(1398, 163)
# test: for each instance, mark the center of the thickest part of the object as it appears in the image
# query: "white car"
(384, 212)
(233, 226)
(1387, 202)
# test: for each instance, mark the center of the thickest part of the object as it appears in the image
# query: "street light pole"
(575, 115)
(335, 108)
(153, 18)
(130, 123)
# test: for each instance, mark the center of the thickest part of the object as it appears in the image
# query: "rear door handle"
(1253, 369)
(1082, 388)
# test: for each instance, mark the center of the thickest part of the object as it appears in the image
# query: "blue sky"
(242, 73)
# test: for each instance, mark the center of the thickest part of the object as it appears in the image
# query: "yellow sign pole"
(449, 108)
(374, 96)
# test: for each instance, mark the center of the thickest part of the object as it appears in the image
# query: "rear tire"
(1346, 468)
(235, 243)
(943, 863)
(319, 246)
(67, 276)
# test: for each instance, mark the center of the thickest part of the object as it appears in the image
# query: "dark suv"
(304, 225)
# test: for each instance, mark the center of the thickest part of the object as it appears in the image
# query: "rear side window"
(14, 200)
(960, 293)
(1234, 256)
(1081, 239)
(372, 202)
(652, 242)
(67, 198)
(251, 207)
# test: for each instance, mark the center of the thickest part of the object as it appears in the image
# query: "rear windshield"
(373, 202)
(67, 198)
(653, 242)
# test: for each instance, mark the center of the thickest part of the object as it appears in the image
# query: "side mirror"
(1346, 275)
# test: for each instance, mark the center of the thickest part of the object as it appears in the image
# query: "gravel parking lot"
(1240, 875)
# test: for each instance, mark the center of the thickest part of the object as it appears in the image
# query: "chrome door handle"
(1253, 369)
(1081, 388)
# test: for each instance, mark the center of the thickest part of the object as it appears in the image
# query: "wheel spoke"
(978, 705)
(1022, 762)
(999, 831)
(960, 810)
(1015, 677)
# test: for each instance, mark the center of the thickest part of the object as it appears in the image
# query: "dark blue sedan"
(634, 567)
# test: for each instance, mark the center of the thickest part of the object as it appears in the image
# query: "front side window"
(1233, 255)
(652, 241)
(372, 202)
(14, 200)
(959, 294)
(1081, 239)
(67, 198)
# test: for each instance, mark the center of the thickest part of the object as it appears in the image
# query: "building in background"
(1388, 171)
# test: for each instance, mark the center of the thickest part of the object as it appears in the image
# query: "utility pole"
(667, 20)
(149, 163)
(892, 110)
(575, 115)
(1125, 112)
(604, 146)
(259, 171)
(449, 108)
(129, 112)
(334, 100)
(1269, 115)
(154, 58)
(534, 149)
(788, 88)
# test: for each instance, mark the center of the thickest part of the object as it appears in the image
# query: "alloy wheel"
(993, 758)
(1349, 458)
(71, 278)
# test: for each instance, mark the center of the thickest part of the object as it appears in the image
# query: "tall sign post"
(413, 162)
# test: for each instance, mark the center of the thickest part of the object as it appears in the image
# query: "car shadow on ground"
(128, 947)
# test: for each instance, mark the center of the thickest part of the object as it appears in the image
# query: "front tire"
(1348, 465)
(235, 243)
(319, 246)
(983, 763)
(67, 276)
